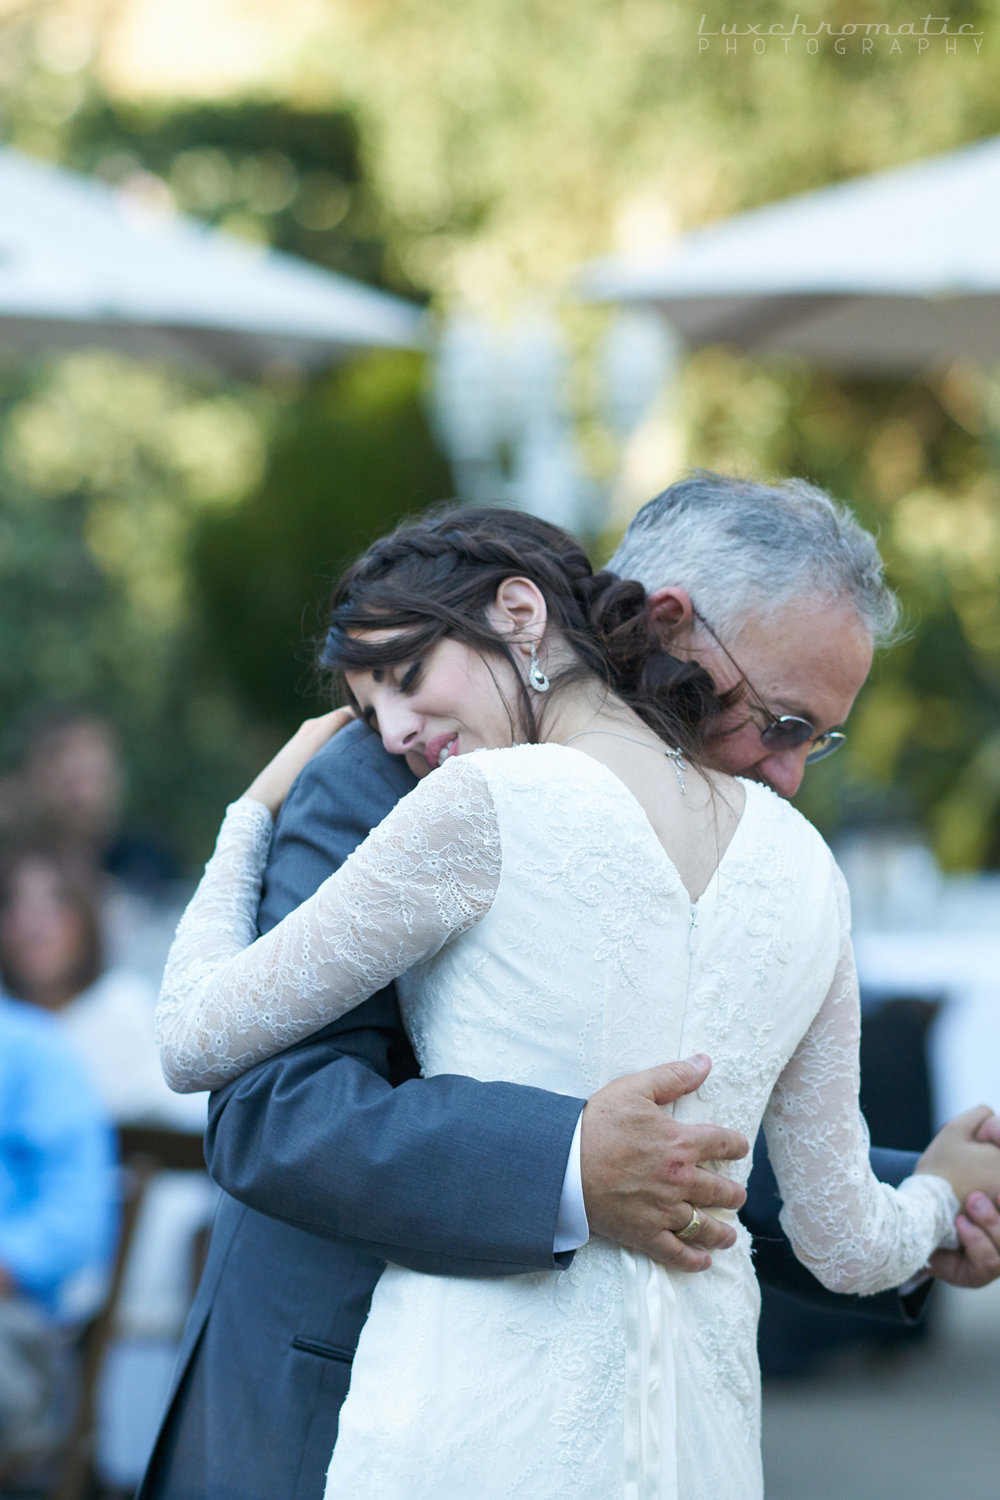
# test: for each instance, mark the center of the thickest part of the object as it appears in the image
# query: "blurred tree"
(917, 462)
(483, 149)
(347, 460)
(163, 530)
(266, 170)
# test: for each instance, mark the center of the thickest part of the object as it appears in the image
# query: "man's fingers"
(670, 1081)
(709, 1190)
(716, 1143)
(979, 1232)
(980, 1250)
(675, 1254)
(712, 1234)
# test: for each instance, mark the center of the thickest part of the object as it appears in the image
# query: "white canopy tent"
(880, 275)
(83, 264)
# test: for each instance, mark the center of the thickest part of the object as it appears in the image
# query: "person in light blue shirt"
(57, 1217)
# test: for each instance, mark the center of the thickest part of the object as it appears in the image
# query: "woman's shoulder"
(537, 764)
(775, 816)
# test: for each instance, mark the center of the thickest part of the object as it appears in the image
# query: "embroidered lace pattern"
(425, 874)
(856, 1232)
(550, 941)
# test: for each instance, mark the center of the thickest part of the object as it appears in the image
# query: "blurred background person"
(57, 1196)
(52, 957)
(52, 951)
(67, 790)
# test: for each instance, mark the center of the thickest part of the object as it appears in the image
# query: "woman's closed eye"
(411, 677)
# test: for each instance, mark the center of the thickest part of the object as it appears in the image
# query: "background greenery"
(167, 540)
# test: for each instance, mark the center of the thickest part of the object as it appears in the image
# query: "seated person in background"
(57, 1196)
(52, 955)
(68, 790)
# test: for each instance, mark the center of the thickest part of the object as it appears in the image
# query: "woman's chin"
(418, 766)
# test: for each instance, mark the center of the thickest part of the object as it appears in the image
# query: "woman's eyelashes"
(406, 682)
(411, 677)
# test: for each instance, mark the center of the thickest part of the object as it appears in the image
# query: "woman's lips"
(440, 749)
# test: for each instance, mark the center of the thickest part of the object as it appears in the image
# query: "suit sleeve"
(338, 1136)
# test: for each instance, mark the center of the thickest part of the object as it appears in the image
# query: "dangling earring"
(536, 676)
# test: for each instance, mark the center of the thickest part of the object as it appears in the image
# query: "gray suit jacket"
(335, 1157)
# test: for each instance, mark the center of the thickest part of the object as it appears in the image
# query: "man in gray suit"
(336, 1157)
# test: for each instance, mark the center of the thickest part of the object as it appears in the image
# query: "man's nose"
(399, 727)
(783, 771)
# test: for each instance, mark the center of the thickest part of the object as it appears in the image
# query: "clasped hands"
(642, 1175)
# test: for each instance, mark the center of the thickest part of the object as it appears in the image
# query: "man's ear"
(671, 609)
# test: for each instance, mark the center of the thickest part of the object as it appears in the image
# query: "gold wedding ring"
(691, 1227)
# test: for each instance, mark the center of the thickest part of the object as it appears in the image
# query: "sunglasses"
(782, 731)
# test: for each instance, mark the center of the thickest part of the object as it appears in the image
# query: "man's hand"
(977, 1261)
(640, 1167)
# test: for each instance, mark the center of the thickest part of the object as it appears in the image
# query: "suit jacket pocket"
(323, 1350)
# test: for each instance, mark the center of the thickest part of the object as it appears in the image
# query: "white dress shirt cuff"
(572, 1229)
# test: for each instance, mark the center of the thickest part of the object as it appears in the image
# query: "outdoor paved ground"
(921, 1426)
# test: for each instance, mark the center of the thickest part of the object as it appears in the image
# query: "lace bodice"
(546, 938)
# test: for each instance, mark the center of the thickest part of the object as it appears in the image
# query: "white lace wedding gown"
(547, 939)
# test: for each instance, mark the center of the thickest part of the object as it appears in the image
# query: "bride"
(571, 895)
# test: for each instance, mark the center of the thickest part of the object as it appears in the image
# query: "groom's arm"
(338, 1136)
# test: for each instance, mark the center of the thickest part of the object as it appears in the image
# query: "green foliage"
(347, 460)
(481, 151)
(164, 536)
(915, 461)
(283, 176)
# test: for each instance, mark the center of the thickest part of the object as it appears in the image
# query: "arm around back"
(338, 1136)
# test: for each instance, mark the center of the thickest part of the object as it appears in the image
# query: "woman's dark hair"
(74, 892)
(437, 575)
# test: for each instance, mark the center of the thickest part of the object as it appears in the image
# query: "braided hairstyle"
(436, 576)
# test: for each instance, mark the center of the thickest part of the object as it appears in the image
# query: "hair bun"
(610, 602)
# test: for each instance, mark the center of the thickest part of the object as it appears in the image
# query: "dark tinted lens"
(825, 745)
(787, 733)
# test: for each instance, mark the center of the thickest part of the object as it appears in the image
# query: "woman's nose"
(399, 727)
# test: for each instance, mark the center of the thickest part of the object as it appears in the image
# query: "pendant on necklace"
(680, 766)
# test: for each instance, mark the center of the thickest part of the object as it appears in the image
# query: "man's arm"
(442, 1174)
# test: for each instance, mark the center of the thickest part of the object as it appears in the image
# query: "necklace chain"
(675, 754)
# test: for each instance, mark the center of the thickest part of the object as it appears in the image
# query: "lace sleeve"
(429, 871)
(854, 1233)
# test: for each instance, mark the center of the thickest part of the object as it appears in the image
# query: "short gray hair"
(742, 549)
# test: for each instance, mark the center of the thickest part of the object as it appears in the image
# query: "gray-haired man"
(337, 1157)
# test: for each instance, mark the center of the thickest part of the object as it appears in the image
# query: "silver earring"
(536, 676)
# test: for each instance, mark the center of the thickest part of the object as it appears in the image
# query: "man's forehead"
(810, 660)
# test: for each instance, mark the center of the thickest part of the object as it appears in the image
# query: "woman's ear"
(519, 610)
